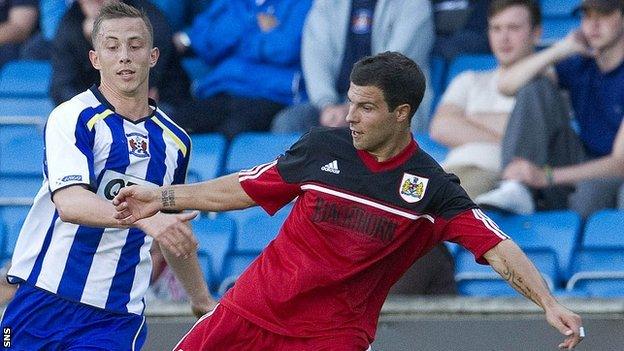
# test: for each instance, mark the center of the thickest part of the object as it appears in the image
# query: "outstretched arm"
(221, 194)
(190, 275)
(512, 264)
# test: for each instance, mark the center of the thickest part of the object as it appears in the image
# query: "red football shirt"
(356, 226)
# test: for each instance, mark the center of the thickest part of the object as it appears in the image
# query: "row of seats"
(580, 262)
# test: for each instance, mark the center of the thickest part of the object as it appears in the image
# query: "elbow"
(65, 213)
(506, 88)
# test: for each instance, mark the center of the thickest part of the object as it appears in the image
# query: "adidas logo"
(331, 167)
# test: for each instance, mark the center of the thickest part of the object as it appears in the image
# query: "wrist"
(548, 173)
(167, 199)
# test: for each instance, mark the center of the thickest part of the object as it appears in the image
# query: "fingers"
(187, 216)
(180, 240)
(122, 194)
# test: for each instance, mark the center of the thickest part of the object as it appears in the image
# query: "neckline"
(395, 161)
(102, 99)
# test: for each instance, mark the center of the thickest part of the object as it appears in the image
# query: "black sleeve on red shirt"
(275, 184)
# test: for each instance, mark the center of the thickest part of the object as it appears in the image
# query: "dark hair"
(535, 15)
(117, 9)
(397, 76)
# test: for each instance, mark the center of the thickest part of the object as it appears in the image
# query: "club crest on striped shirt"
(412, 188)
(137, 144)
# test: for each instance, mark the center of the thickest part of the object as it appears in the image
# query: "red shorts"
(224, 330)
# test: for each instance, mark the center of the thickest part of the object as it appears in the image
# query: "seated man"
(332, 44)
(472, 115)
(589, 64)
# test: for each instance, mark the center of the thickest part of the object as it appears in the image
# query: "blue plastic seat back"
(13, 217)
(215, 236)
(25, 78)
(558, 231)
(21, 149)
(251, 149)
(37, 109)
(604, 229)
(557, 28)
(207, 157)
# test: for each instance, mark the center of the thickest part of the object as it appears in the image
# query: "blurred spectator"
(253, 48)
(589, 64)
(6, 290)
(473, 114)
(73, 73)
(180, 13)
(432, 274)
(336, 35)
(39, 46)
(18, 20)
(461, 27)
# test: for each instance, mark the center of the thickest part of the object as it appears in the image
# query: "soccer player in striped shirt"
(369, 203)
(82, 276)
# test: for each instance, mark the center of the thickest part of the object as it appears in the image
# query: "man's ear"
(154, 55)
(95, 60)
(402, 112)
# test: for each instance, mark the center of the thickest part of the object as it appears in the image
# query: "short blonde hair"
(117, 9)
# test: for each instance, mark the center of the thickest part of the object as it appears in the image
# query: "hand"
(267, 22)
(334, 115)
(568, 323)
(172, 232)
(137, 202)
(200, 310)
(575, 43)
(526, 172)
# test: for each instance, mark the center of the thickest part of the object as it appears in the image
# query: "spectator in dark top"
(73, 73)
(461, 27)
(18, 20)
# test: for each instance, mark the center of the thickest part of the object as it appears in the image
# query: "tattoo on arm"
(515, 279)
(168, 198)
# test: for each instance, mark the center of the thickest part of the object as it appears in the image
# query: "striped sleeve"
(475, 231)
(69, 149)
(267, 188)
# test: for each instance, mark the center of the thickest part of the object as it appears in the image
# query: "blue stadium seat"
(28, 79)
(474, 279)
(26, 107)
(604, 230)
(235, 264)
(13, 217)
(557, 28)
(257, 231)
(557, 231)
(21, 149)
(4, 256)
(598, 272)
(469, 62)
(24, 186)
(433, 148)
(215, 238)
(207, 156)
(557, 8)
(251, 149)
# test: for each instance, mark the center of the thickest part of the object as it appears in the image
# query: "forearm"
(220, 194)
(515, 77)
(453, 131)
(190, 275)
(12, 33)
(512, 264)
(608, 166)
(78, 205)
(19, 25)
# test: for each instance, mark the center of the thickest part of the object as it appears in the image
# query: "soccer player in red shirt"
(368, 203)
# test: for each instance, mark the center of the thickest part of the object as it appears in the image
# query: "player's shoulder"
(325, 136)
(73, 109)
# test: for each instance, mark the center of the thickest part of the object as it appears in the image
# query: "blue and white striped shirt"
(86, 142)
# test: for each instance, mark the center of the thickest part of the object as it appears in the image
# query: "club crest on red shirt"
(412, 188)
